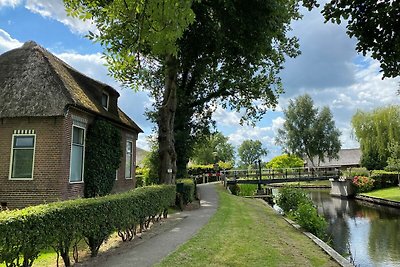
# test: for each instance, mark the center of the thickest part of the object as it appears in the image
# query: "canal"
(369, 234)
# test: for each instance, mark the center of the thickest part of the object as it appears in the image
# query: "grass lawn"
(392, 193)
(245, 232)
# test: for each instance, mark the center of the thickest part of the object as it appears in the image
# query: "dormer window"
(105, 100)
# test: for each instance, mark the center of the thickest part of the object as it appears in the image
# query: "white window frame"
(83, 156)
(108, 100)
(131, 161)
(116, 175)
(12, 156)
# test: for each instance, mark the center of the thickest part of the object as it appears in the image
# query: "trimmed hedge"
(384, 179)
(189, 190)
(24, 233)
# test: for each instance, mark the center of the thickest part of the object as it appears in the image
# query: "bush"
(188, 193)
(307, 217)
(290, 198)
(247, 189)
(235, 189)
(24, 233)
(351, 172)
(384, 179)
(363, 183)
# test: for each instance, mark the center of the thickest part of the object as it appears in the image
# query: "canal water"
(369, 234)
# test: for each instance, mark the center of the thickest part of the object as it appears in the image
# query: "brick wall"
(52, 161)
(45, 186)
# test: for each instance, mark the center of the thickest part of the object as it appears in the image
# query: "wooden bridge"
(270, 176)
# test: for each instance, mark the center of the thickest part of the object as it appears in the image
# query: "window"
(22, 156)
(128, 160)
(104, 100)
(77, 154)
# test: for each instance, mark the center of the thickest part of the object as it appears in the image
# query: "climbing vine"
(102, 158)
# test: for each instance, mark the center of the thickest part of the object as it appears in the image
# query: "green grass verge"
(392, 193)
(245, 232)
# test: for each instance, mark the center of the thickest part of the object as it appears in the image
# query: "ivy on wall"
(102, 158)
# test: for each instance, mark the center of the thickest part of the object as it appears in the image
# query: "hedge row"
(384, 179)
(188, 191)
(200, 169)
(24, 233)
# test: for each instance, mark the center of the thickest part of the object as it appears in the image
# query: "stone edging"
(342, 261)
(379, 201)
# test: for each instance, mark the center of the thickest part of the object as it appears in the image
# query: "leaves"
(250, 151)
(308, 131)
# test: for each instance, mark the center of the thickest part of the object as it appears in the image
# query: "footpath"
(164, 238)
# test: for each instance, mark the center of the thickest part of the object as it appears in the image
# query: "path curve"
(184, 225)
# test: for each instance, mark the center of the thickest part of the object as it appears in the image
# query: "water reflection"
(371, 233)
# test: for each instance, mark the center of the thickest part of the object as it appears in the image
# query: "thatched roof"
(347, 157)
(35, 83)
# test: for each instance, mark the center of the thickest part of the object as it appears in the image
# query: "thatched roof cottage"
(45, 109)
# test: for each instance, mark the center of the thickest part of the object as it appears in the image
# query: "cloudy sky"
(329, 69)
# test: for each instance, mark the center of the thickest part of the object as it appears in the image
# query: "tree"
(306, 131)
(250, 151)
(230, 56)
(213, 148)
(140, 38)
(285, 161)
(375, 131)
(376, 26)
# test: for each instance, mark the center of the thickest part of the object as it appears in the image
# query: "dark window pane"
(77, 136)
(22, 163)
(24, 141)
(104, 100)
(76, 163)
(128, 160)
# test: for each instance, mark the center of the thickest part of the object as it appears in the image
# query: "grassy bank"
(307, 183)
(392, 193)
(244, 232)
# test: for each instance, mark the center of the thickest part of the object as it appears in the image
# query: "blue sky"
(329, 69)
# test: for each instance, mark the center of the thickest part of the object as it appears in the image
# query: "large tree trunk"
(167, 154)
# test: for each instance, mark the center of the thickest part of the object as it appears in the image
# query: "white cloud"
(10, 3)
(7, 42)
(226, 118)
(54, 9)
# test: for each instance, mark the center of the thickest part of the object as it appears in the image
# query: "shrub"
(351, 172)
(290, 198)
(235, 189)
(188, 192)
(384, 179)
(363, 183)
(24, 233)
(247, 189)
(307, 217)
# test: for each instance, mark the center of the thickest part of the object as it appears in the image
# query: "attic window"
(104, 100)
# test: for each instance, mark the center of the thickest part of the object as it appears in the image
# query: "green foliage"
(308, 131)
(196, 169)
(385, 179)
(393, 160)
(376, 130)
(102, 158)
(188, 192)
(250, 151)
(285, 161)
(307, 217)
(151, 165)
(363, 183)
(290, 198)
(351, 172)
(213, 148)
(247, 189)
(24, 233)
(369, 21)
(235, 189)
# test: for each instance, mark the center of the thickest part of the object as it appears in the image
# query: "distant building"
(46, 107)
(348, 158)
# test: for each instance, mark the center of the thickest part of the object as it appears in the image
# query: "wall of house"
(51, 161)
(45, 185)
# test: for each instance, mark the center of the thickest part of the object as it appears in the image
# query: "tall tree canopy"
(213, 148)
(230, 56)
(285, 161)
(308, 131)
(376, 130)
(250, 151)
(376, 26)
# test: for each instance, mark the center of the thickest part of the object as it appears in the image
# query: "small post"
(260, 176)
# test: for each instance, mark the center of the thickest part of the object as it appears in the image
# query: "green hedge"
(384, 179)
(189, 190)
(24, 233)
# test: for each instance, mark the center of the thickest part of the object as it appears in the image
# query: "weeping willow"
(375, 131)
